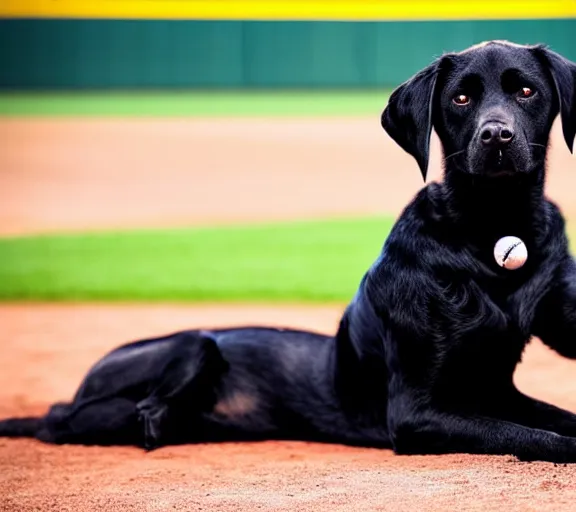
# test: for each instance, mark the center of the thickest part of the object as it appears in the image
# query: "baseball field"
(130, 215)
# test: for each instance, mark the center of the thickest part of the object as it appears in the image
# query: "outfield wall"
(59, 45)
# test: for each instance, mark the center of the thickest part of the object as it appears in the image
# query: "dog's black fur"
(425, 352)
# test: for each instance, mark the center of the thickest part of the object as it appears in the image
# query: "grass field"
(186, 103)
(315, 261)
(320, 261)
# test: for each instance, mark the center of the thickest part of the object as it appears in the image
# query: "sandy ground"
(71, 175)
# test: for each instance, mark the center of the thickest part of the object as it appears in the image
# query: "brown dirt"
(47, 349)
(71, 175)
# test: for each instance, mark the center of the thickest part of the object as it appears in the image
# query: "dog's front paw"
(563, 456)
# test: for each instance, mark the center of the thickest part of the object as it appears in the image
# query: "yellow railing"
(291, 9)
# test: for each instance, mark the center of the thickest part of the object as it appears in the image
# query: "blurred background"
(234, 144)
(254, 45)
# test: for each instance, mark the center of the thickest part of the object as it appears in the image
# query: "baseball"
(510, 252)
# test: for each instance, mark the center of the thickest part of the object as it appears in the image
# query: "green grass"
(319, 261)
(191, 103)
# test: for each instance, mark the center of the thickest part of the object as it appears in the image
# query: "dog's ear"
(408, 116)
(564, 75)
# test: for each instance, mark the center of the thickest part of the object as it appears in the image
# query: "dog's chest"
(504, 305)
(483, 343)
(477, 311)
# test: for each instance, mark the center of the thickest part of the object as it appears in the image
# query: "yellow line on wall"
(291, 9)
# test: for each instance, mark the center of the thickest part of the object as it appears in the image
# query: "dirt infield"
(72, 175)
(46, 350)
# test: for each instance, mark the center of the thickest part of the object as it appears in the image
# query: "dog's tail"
(21, 427)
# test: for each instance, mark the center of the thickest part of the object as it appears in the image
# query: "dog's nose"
(496, 134)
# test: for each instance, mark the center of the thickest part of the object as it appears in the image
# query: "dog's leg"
(68, 423)
(555, 319)
(533, 413)
(106, 421)
(186, 386)
(428, 431)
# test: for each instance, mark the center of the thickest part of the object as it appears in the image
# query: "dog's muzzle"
(494, 143)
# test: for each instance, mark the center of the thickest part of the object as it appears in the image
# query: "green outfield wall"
(70, 53)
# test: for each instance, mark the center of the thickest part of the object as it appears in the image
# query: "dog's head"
(492, 106)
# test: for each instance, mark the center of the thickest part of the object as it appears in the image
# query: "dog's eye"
(461, 99)
(526, 92)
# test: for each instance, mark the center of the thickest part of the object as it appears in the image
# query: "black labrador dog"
(424, 356)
